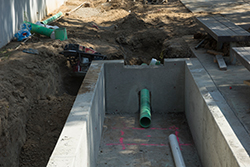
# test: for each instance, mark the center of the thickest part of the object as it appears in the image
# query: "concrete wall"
(214, 138)
(78, 144)
(165, 83)
(12, 14)
(181, 84)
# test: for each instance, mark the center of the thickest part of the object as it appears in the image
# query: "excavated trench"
(38, 91)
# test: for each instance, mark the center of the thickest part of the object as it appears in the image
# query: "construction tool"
(80, 57)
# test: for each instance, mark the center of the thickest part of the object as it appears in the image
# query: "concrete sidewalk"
(230, 85)
(237, 11)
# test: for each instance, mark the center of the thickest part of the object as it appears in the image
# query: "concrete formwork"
(178, 85)
(165, 83)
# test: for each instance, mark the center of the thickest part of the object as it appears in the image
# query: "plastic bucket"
(61, 33)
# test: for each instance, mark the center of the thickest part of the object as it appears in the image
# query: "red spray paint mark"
(148, 135)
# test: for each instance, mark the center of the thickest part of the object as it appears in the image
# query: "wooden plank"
(243, 52)
(213, 52)
(246, 53)
(207, 29)
(215, 29)
(218, 28)
(247, 82)
(236, 29)
(221, 63)
(222, 30)
(243, 55)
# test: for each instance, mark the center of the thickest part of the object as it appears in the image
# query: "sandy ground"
(37, 91)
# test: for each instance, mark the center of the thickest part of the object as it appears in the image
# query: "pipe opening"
(145, 122)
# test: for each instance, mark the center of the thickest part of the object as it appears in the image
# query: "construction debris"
(213, 52)
(221, 63)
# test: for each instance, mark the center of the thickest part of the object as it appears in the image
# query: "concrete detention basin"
(180, 86)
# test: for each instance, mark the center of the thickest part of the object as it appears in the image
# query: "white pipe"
(68, 13)
(178, 159)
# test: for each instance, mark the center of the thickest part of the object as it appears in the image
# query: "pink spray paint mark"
(122, 133)
(176, 134)
(142, 144)
(120, 128)
(121, 142)
(174, 128)
(135, 144)
(139, 128)
(145, 144)
(144, 128)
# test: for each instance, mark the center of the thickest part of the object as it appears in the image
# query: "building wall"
(13, 12)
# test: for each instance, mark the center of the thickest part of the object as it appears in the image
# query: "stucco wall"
(12, 14)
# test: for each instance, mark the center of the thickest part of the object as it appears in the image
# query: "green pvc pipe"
(40, 29)
(53, 18)
(145, 113)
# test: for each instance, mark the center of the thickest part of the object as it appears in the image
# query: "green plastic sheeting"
(145, 112)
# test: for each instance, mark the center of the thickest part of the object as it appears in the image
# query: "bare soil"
(38, 91)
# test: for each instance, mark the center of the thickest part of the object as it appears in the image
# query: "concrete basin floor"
(125, 143)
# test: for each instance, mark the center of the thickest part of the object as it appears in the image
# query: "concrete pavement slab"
(234, 91)
(237, 11)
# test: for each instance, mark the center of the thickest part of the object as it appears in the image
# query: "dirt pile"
(175, 48)
(33, 97)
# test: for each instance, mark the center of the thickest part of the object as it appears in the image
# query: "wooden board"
(222, 30)
(221, 63)
(213, 52)
(247, 82)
